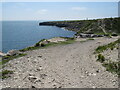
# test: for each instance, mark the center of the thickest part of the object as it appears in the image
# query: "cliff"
(96, 26)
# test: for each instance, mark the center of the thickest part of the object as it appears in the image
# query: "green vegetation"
(37, 44)
(113, 67)
(5, 59)
(96, 26)
(5, 74)
(101, 58)
(108, 46)
(90, 39)
(43, 45)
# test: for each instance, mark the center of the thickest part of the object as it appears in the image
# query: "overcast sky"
(58, 10)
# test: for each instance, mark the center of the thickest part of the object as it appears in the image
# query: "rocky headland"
(105, 26)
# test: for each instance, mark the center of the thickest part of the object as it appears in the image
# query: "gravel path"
(63, 66)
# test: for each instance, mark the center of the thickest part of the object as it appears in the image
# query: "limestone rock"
(13, 52)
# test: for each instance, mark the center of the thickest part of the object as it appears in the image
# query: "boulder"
(13, 52)
(42, 43)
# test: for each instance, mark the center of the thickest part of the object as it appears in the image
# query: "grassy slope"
(110, 25)
(113, 67)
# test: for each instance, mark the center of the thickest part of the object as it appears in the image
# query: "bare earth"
(63, 66)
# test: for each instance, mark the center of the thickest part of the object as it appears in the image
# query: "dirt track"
(63, 66)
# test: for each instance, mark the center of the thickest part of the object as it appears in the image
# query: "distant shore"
(105, 26)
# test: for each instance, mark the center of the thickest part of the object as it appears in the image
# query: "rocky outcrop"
(52, 40)
(13, 52)
(57, 39)
(82, 35)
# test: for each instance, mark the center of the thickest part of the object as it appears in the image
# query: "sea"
(21, 34)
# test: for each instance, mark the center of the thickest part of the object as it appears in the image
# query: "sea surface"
(20, 34)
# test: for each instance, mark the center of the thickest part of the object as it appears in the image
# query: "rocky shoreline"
(105, 26)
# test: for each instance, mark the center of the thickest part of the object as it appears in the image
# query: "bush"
(37, 44)
(42, 44)
(101, 58)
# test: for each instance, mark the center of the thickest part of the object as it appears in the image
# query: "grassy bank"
(43, 45)
(6, 59)
(5, 74)
(111, 66)
(111, 46)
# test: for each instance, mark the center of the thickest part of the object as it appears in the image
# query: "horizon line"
(65, 19)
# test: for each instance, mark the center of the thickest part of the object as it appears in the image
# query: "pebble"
(98, 71)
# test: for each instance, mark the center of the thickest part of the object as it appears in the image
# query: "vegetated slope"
(96, 26)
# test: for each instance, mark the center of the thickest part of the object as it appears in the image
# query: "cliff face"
(97, 26)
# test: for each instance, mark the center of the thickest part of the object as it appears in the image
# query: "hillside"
(96, 26)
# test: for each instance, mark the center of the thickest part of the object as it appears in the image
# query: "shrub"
(37, 44)
(42, 44)
(113, 67)
(101, 58)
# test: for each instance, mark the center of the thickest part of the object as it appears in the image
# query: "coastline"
(58, 65)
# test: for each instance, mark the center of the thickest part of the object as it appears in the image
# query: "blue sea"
(20, 34)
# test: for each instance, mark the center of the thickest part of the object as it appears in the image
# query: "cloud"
(79, 8)
(42, 11)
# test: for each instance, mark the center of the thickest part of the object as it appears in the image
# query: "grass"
(69, 41)
(101, 58)
(6, 59)
(90, 39)
(5, 74)
(111, 46)
(113, 67)
(83, 41)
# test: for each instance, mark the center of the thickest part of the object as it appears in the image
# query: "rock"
(32, 78)
(98, 71)
(43, 76)
(2, 54)
(39, 56)
(42, 43)
(82, 35)
(13, 52)
(57, 39)
(33, 87)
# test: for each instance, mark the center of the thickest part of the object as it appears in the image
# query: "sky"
(57, 10)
